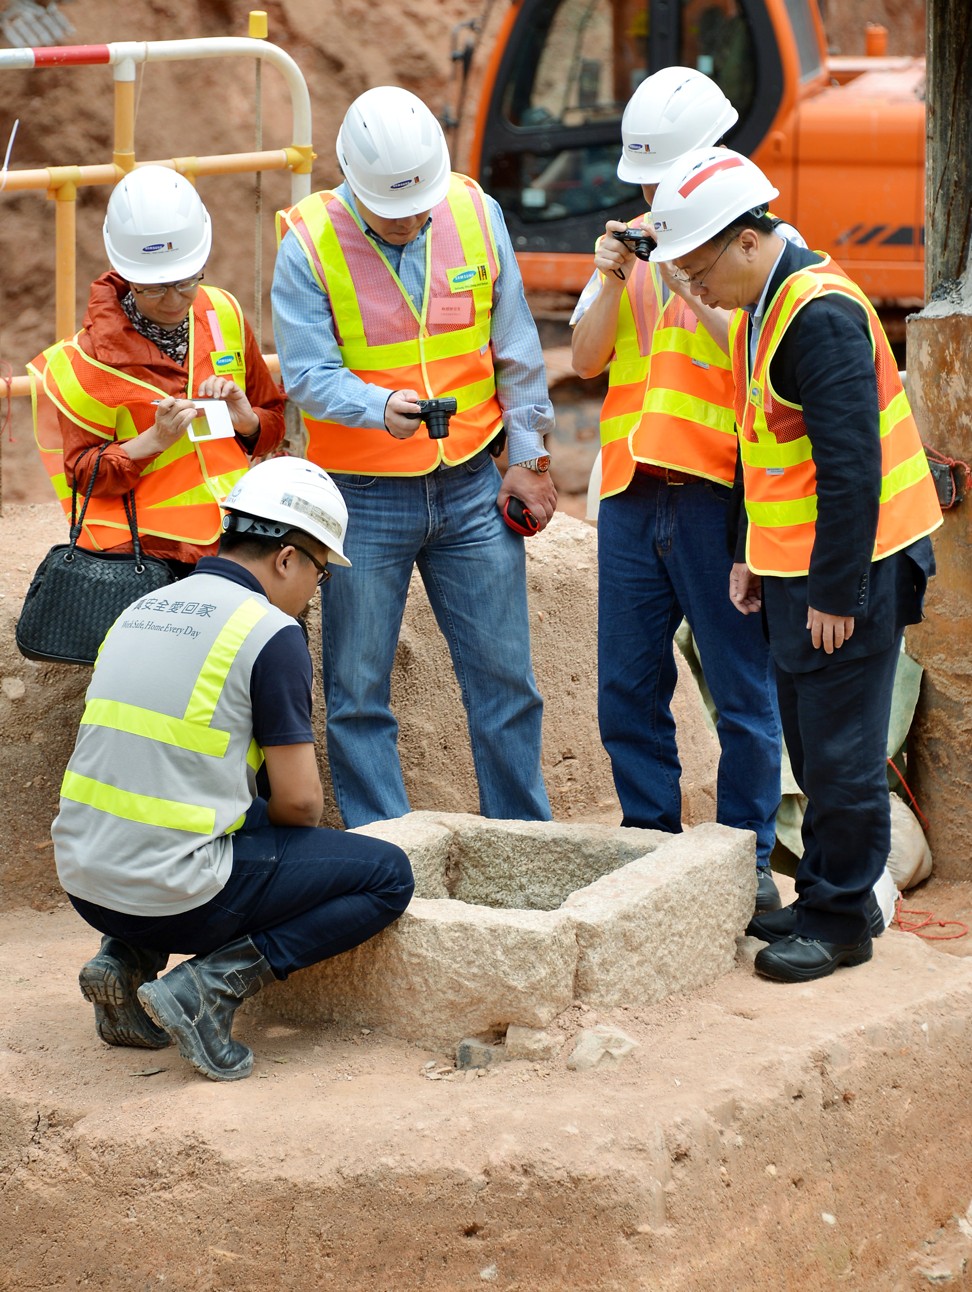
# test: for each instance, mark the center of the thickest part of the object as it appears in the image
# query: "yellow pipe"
(296, 158)
(64, 190)
(65, 226)
(124, 154)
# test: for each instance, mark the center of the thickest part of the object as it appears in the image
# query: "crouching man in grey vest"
(162, 841)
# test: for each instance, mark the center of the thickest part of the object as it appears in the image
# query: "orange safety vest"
(442, 349)
(778, 469)
(178, 492)
(638, 312)
(687, 422)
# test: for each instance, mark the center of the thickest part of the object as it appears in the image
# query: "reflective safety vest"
(442, 349)
(178, 492)
(687, 422)
(164, 768)
(779, 474)
(638, 311)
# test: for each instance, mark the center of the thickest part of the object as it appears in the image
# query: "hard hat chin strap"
(237, 522)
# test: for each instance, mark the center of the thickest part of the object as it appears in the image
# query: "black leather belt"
(666, 473)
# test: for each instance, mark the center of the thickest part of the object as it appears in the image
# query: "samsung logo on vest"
(223, 360)
(465, 276)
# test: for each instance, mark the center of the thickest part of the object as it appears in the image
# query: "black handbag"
(76, 595)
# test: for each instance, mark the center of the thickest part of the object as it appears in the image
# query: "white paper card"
(214, 422)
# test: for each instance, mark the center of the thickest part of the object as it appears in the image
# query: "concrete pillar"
(940, 385)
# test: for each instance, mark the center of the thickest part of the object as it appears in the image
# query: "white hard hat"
(156, 227)
(670, 113)
(701, 195)
(393, 153)
(282, 494)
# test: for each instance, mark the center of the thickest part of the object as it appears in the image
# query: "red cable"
(915, 925)
(914, 802)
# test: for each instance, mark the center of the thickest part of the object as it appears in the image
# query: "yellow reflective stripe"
(694, 345)
(613, 428)
(144, 809)
(160, 727)
(344, 301)
(237, 824)
(477, 392)
(904, 475)
(76, 399)
(254, 756)
(361, 356)
(767, 453)
(676, 403)
(212, 676)
(796, 511)
(230, 318)
(897, 411)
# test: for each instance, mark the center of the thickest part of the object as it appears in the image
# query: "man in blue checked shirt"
(401, 286)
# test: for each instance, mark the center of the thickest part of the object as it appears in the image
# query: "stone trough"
(512, 922)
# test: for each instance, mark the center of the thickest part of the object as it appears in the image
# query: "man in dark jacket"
(834, 550)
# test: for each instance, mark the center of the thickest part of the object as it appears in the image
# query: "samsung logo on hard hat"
(404, 183)
(157, 246)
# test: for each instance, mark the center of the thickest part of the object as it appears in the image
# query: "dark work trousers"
(835, 724)
(301, 894)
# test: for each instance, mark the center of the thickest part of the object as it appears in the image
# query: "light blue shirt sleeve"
(314, 374)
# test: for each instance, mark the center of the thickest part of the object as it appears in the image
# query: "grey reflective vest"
(165, 763)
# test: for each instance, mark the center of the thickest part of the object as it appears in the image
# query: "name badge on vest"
(227, 363)
(466, 277)
(454, 311)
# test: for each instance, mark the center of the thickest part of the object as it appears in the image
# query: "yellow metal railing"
(61, 183)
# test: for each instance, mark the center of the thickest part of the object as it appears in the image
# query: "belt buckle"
(669, 481)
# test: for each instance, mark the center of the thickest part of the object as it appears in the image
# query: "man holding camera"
(393, 296)
(668, 460)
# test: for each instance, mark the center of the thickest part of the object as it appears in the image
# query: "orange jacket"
(122, 372)
(441, 350)
(777, 456)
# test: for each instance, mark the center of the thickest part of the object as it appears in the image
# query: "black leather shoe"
(775, 925)
(796, 959)
(767, 894)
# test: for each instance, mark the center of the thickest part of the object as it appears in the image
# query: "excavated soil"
(759, 1136)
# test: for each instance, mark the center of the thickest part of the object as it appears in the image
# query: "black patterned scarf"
(172, 341)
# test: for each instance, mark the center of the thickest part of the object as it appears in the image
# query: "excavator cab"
(551, 134)
(548, 132)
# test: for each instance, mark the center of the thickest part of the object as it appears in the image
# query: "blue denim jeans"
(662, 556)
(301, 894)
(474, 571)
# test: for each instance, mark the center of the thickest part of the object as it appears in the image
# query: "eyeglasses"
(696, 280)
(323, 573)
(185, 288)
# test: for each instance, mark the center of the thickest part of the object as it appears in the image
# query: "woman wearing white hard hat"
(155, 339)
(839, 503)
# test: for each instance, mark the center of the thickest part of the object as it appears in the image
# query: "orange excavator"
(843, 139)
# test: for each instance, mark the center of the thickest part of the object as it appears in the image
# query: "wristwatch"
(539, 465)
